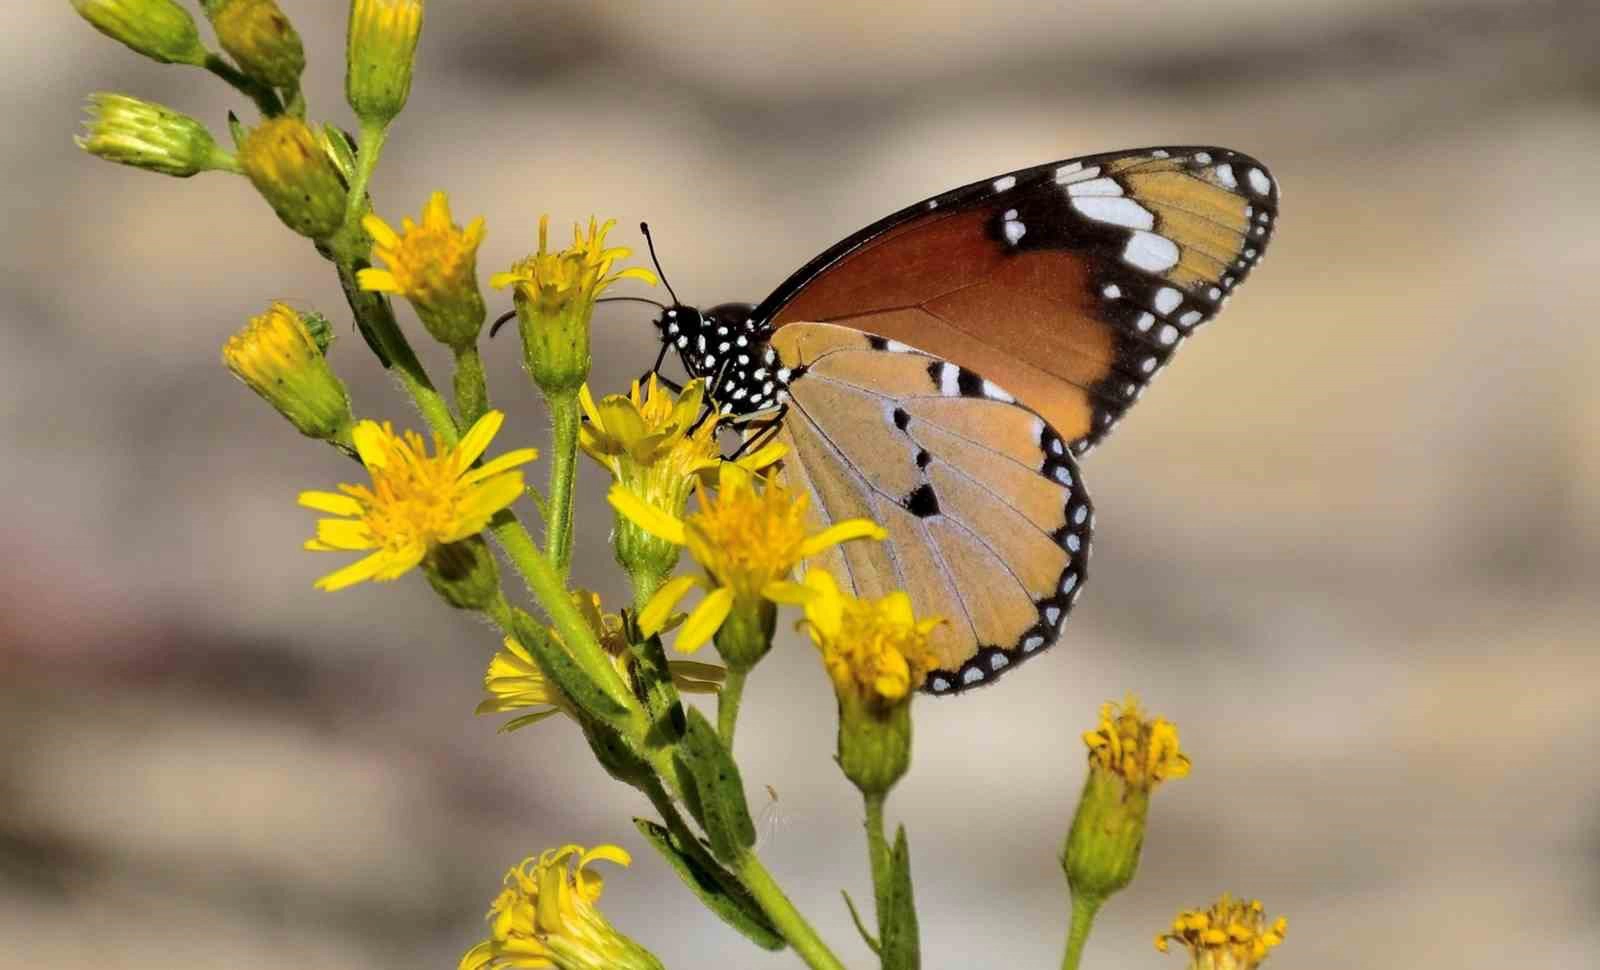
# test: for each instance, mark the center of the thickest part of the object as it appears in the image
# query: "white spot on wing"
(1115, 211)
(896, 347)
(1014, 231)
(1075, 172)
(1168, 334)
(1259, 181)
(1032, 643)
(1167, 299)
(1191, 318)
(1150, 252)
(972, 676)
(950, 380)
(1225, 176)
(1144, 321)
(1094, 187)
(1111, 291)
(998, 660)
(1004, 182)
(995, 392)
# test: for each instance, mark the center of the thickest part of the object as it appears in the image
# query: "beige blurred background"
(1349, 544)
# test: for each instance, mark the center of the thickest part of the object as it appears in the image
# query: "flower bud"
(159, 29)
(278, 358)
(260, 38)
(464, 573)
(149, 136)
(381, 49)
(287, 165)
(433, 264)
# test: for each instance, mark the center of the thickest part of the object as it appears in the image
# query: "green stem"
(785, 918)
(1083, 913)
(877, 854)
(645, 580)
(550, 589)
(728, 704)
(472, 388)
(265, 98)
(564, 420)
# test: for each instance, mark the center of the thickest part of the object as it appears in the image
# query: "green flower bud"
(260, 38)
(145, 135)
(159, 29)
(277, 356)
(382, 47)
(287, 165)
(464, 573)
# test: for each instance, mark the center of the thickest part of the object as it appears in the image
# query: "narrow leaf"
(712, 884)
(901, 950)
(726, 816)
(564, 672)
(855, 917)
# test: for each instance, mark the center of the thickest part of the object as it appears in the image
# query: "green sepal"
(716, 887)
(719, 790)
(340, 147)
(901, 950)
(861, 927)
(563, 671)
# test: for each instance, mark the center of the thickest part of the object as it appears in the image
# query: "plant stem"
(472, 388)
(564, 420)
(877, 854)
(1083, 913)
(265, 98)
(785, 918)
(728, 705)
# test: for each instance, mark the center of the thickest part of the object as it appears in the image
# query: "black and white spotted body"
(725, 346)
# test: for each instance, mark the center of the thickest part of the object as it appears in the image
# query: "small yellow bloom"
(650, 443)
(515, 682)
(555, 294)
(876, 649)
(260, 38)
(159, 29)
(277, 356)
(1144, 752)
(288, 166)
(1129, 755)
(749, 538)
(546, 917)
(1231, 935)
(150, 136)
(433, 264)
(380, 52)
(416, 502)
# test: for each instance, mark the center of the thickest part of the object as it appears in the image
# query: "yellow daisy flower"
(416, 503)
(546, 917)
(748, 538)
(1144, 752)
(875, 649)
(515, 682)
(1231, 935)
(434, 265)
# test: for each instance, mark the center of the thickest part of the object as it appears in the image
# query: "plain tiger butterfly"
(942, 370)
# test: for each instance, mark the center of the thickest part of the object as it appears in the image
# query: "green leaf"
(715, 886)
(899, 918)
(563, 671)
(723, 811)
(855, 917)
(652, 679)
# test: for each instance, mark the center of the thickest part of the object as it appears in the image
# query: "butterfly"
(942, 370)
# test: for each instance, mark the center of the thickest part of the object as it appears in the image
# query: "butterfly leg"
(765, 430)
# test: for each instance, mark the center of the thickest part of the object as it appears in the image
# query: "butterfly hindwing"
(1070, 283)
(988, 518)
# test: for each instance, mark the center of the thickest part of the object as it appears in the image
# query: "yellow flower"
(277, 357)
(380, 50)
(1144, 752)
(288, 166)
(434, 265)
(749, 538)
(650, 443)
(876, 649)
(149, 136)
(1231, 935)
(876, 652)
(515, 682)
(416, 502)
(555, 294)
(1129, 755)
(546, 917)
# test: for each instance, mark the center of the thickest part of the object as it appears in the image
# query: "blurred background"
(1348, 545)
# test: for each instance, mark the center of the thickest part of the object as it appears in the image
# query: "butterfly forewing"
(988, 522)
(1070, 284)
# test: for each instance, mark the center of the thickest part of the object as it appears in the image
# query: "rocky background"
(1349, 544)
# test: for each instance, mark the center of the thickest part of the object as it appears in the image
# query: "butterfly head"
(728, 348)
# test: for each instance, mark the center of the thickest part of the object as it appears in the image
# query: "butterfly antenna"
(632, 299)
(644, 227)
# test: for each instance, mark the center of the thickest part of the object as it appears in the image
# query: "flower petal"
(371, 441)
(788, 593)
(331, 502)
(499, 464)
(381, 232)
(356, 572)
(352, 534)
(379, 280)
(646, 516)
(655, 614)
(478, 436)
(842, 532)
(704, 622)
